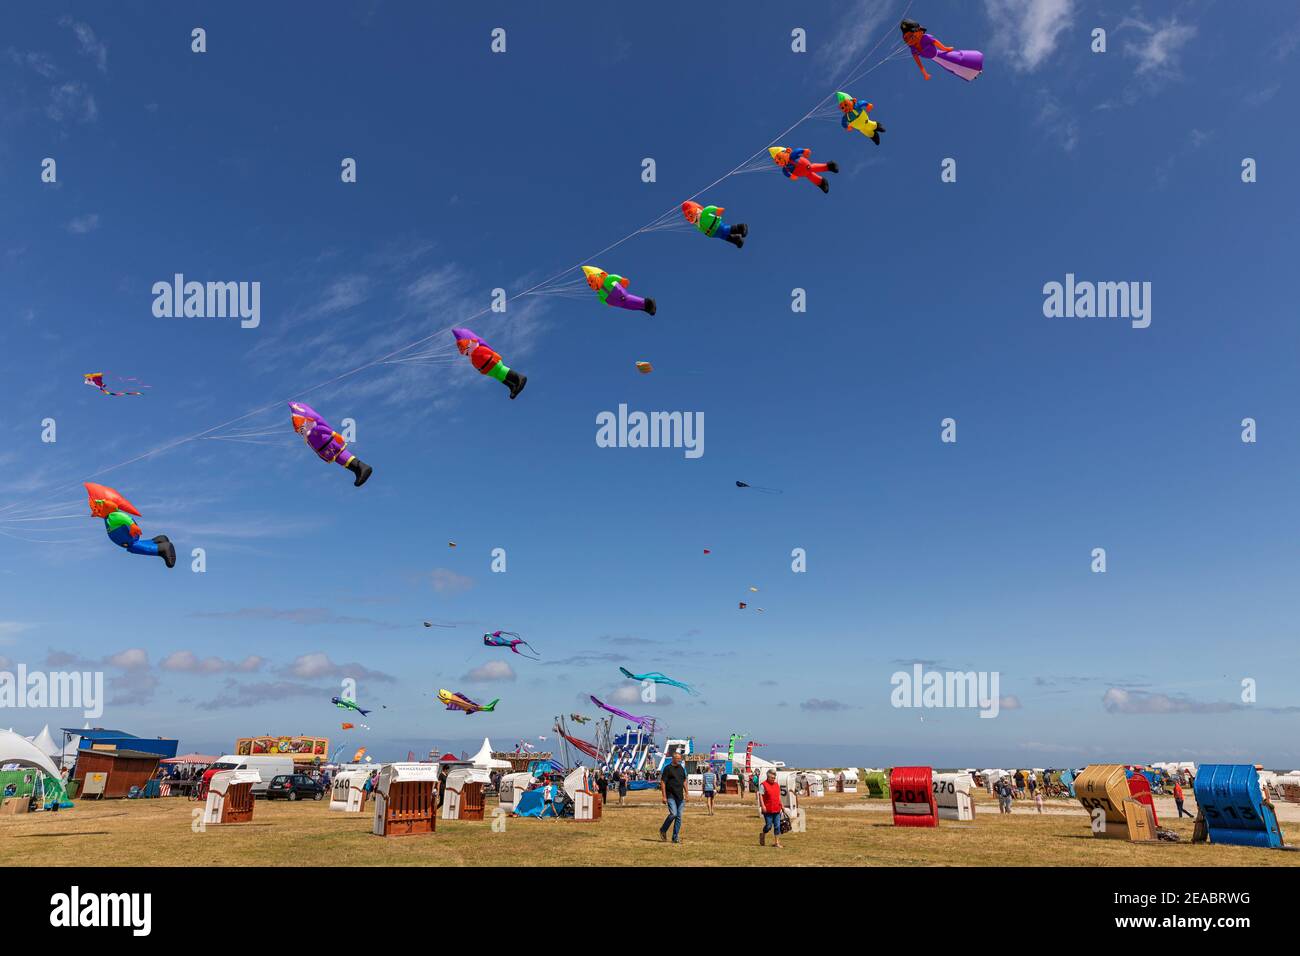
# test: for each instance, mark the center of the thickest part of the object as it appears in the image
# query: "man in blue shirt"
(710, 785)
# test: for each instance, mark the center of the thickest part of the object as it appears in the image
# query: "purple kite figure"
(326, 442)
(621, 713)
(966, 64)
(511, 640)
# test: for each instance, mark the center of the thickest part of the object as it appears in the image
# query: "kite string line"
(382, 359)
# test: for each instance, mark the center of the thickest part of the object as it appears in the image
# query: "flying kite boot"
(166, 550)
(833, 167)
(650, 306)
(515, 382)
(741, 228)
(824, 186)
(360, 469)
(737, 236)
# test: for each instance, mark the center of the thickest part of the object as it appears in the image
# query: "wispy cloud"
(447, 581)
(1028, 30)
(71, 100)
(1060, 122)
(238, 694)
(1158, 47)
(860, 28)
(307, 616)
(90, 44)
(84, 224)
(823, 705)
(1116, 700)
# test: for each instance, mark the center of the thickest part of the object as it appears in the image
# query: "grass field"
(843, 830)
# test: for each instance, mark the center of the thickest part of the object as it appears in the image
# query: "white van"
(267, 767)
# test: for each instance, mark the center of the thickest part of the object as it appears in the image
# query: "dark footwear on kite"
(515, 382)
(824, 186)
(166, 550)
(650, 306)
(740, 228)
(880, 127)
(833, 167)
(361, 470)
(875, 137)
(736, 240)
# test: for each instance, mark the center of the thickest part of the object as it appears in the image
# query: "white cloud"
(187, 662)
(1160, 48)
(1028, 30)
(490, 672)
(133, 658)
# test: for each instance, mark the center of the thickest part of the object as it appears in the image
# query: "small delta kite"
(96, 380)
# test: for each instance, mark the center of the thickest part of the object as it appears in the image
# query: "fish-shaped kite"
(621, 713)
(345, 703)
(455, 701)
(511, 640)
(657, 678)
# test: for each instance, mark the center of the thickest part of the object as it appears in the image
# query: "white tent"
(15, 748)
(483, 760)
(46, 745)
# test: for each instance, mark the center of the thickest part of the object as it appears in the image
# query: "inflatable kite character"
(796, 165)
(966, 64)
(708, 219)
(121, 527)
(857, 116)
(612, 290)
(483, 358)
(326, 442)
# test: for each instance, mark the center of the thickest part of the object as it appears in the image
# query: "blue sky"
(479, 170)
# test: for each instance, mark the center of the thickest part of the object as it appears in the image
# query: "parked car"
(295, 786)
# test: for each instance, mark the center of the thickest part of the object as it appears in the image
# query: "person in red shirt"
(1178, 800)
(769, 802)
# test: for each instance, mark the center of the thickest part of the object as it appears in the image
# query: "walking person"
(769, 802)
(672, 784)
(602, 784)
(1178, 801)
(622, 787)
(710, 785)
